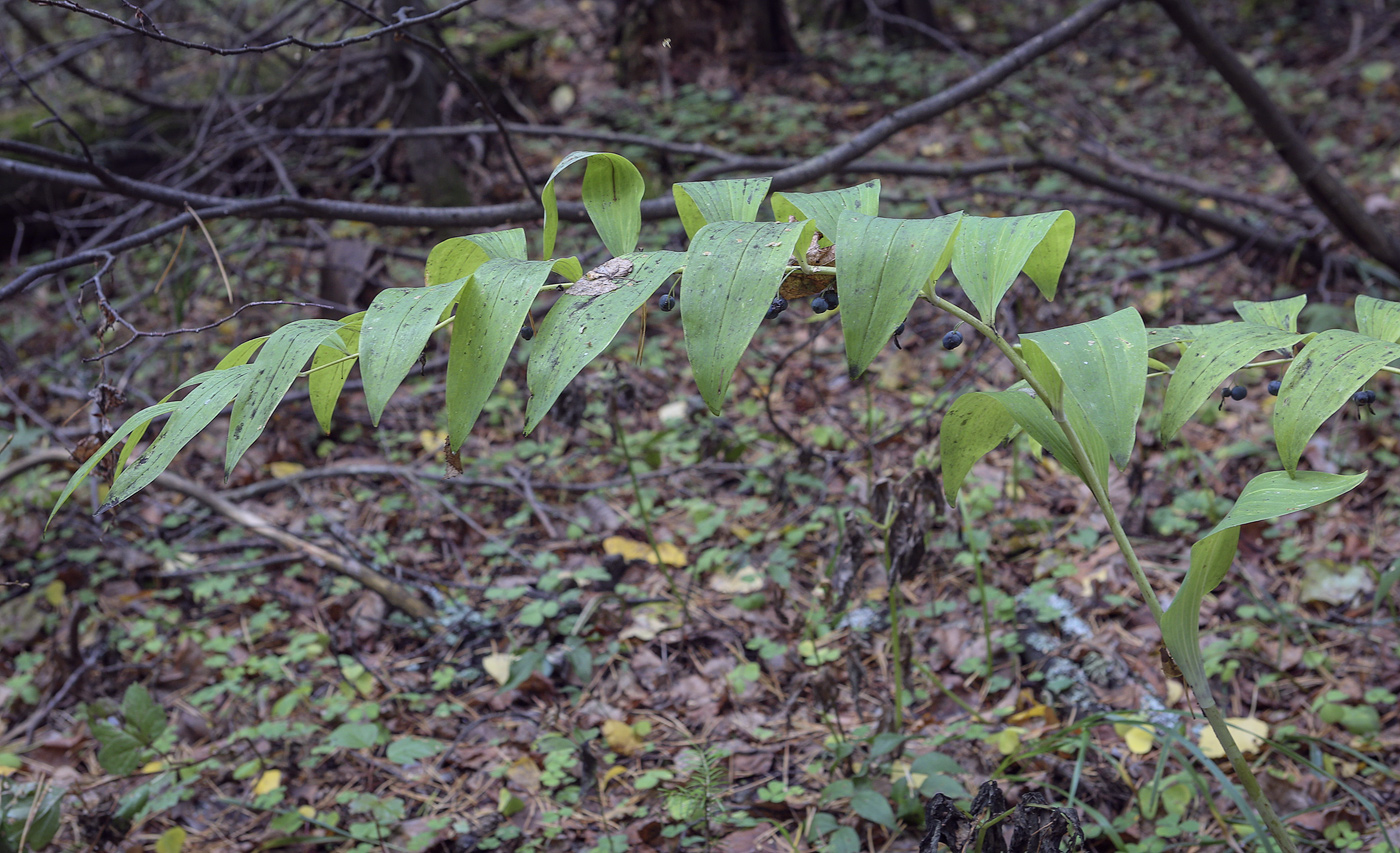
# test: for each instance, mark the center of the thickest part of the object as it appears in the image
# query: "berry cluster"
(1361, 398)
(825, 301)
(779, 306)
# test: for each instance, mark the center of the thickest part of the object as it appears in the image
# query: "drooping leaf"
(140, 419)
(824, 207)
(393, 334)
(990, 252)
(584, 321)
(1378, 318)
(490, 312)
(452, 260)
(1104, 365)
(1330, 368)
(880, 268)
(1269, 495)
(330, 367)
(201, 405)
(702, 202)
(1032, 415)
(278, 363)
(1280, 313)
(972, 427)
(241, 354)
(732, 271)
(1216, 353)
(500, 244)
(612, 195)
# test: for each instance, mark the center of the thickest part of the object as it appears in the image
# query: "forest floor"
(168, 667)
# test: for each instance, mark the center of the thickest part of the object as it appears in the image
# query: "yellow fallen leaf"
(1008, 740)
(645, 626)
(171, 841)
(285, 469)
(1248, 732)
(613, 772)
(509, 804)
(631, 549)
(306, 811)
(432, 440)
(54, 592)
(525, 773)
(742, 582)
(497, 665)
(1174, 691)
(621, 738)
(153, 767)
(1138, 737)
(268, 782)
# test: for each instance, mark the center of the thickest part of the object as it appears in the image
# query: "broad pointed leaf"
(1035, 418)
(1378, 318)
(1280, 313)
(584, 321)
(140, 419)
(241, 354)
(1269, 495)
(732, 271)
(1216, 353)
(612, 195)
(490, 312)
(452, 260)
(702, 202)
(393, 334)
(278, 363)
(1104, 365)
(972, 427)
(330, 367)
(990, 252)
(1320, 381)
(880, 268)
(824, 207)
(201, 405)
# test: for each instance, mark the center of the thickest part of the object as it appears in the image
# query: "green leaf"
(201, 405)
(354, 736)
(1269, 495)
(500, 244)
(144, 718)
(140, 419)
(1320, 381)
(584, 321)
(990, 252)
(411, 750)
(1216, 352)
(1104, 364)
(1280, 313)
(1378, 318)
(241, 354)
(612, 195)
(880, 268)
(732, 271)
(886, 742)
(974, 425)
(393, 334)
(935, 762)
(329, 371)
(37, 822)
(844, 840)
(451, 261)
(1033, 416)
(490, 312)
(699, 203)
(1172, 334)
(120, 753)
(823, 208)
(171, 841)
(279, 361)
(872, 805)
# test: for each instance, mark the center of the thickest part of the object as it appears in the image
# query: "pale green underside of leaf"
(1269, 495)
(612, 195)
(1321, 379)
(1378, 318)
(490, 311)
(326, 382)
(1280, 313)
(702, 202)
(283, 356)
(990, 252)
(393, 334)
(140, 419)
(880, 268)
(973, 426)
(1103, 363)
(824, 207)
(1216, 352)
(579, 328)
(732, 271)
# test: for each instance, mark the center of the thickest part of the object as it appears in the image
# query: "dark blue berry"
(1239, 392)
(667, 302)
(832, 300)
(1274, 386)
(899, 330)
(1364, 398)
(527, 332)
(779, 306)
(952, 340)
(820, 305)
